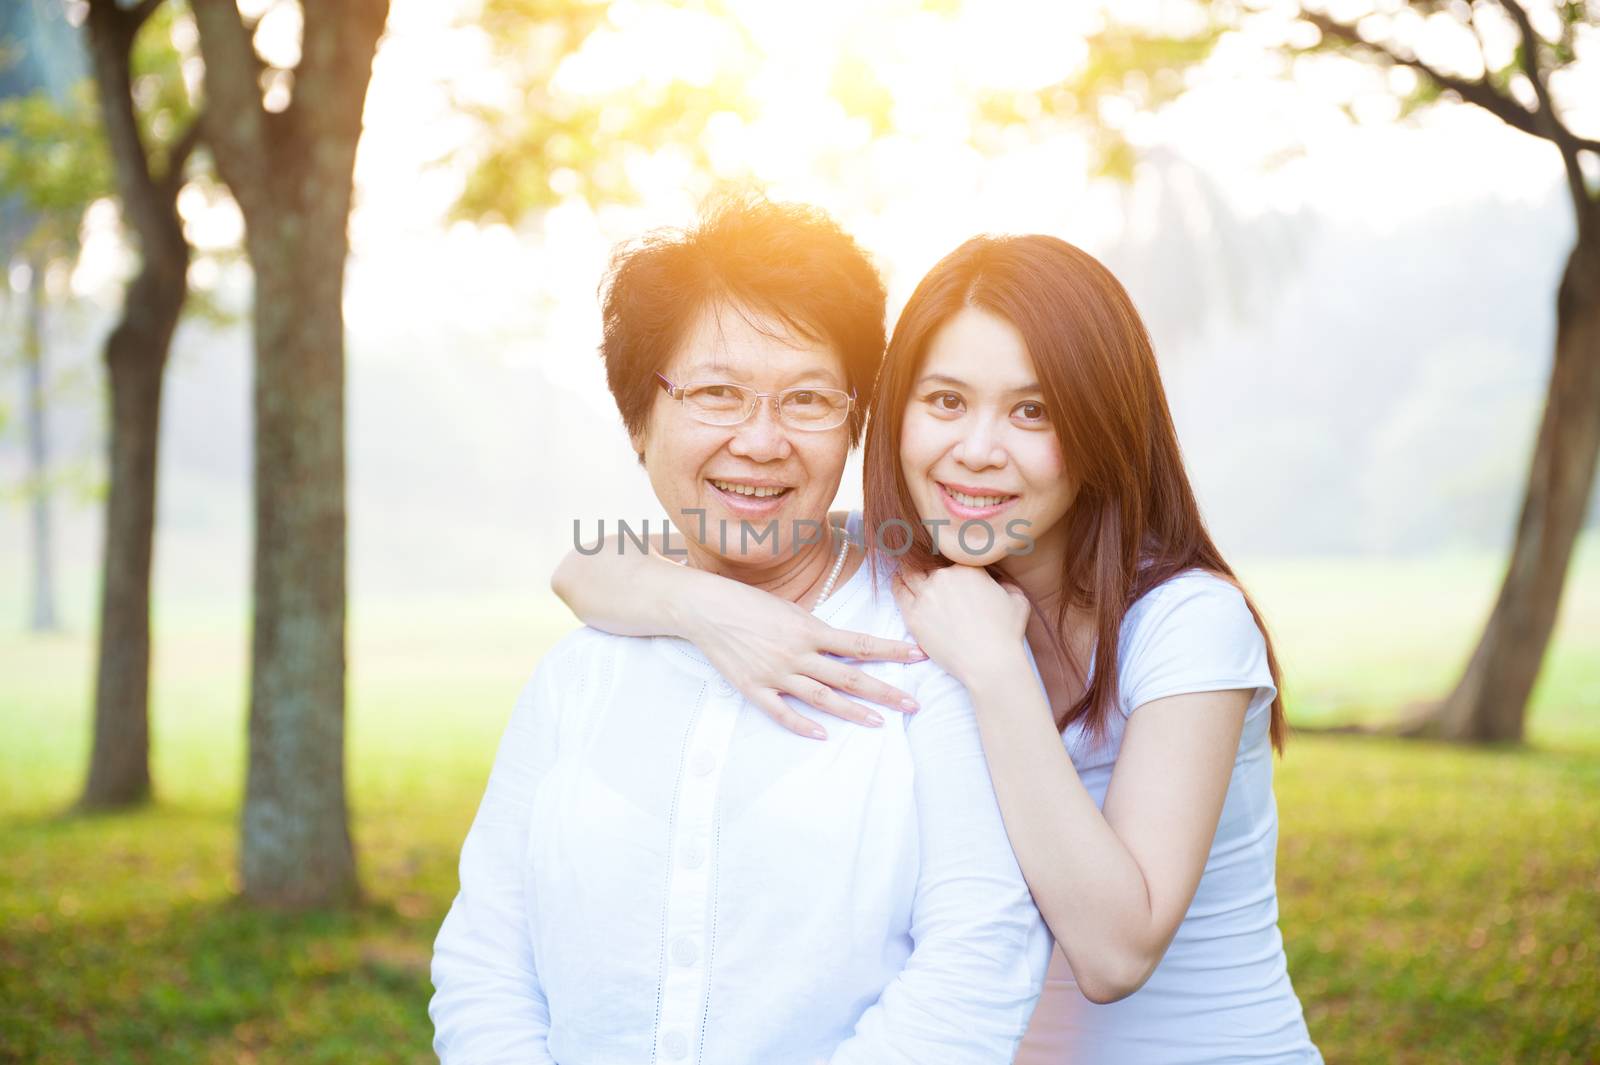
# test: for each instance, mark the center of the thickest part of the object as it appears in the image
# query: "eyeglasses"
(720, 403)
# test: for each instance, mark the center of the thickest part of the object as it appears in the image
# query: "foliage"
(539, 145)
(1127, 70)
(162, 100)
(53, 153)
(543, 145)
(53, 156)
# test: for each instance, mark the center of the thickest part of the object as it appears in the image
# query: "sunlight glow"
(865, 108)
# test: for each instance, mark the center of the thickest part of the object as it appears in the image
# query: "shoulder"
(581, 660)
(1192, 632)
(1193, 598)
(572, 679)
(578, 650)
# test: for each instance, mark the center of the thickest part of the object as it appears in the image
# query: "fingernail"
(818, 734)
(874, 718)
(910, 705)
(917, 654)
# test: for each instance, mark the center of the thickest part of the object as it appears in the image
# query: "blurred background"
(1346, 227)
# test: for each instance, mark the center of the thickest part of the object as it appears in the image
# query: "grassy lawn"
(1439, 904)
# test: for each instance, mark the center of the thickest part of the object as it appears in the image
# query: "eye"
(801, 398)
(946, 402)
(717, 391)
(1030, 411)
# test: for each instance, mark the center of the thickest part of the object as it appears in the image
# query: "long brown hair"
(1134, 522)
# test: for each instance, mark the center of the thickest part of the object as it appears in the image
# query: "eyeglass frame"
(676, 392)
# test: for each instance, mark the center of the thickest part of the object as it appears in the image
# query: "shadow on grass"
(123, 939)
(217, 979)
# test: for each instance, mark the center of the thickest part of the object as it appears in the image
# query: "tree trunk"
(42, 615)
(1490, 700)
(292, 175)
(136, 359)
(296, 849)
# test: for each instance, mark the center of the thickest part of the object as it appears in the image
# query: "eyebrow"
(711, 372)
(956, 382)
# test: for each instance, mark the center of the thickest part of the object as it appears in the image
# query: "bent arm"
(762, 644)
(980, 952)
(620, 589)
(488, 1005)
(1113, 886)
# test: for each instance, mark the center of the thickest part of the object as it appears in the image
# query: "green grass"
(1361, 639)
(1438, 904)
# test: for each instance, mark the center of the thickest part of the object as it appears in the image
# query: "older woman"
(659, 871)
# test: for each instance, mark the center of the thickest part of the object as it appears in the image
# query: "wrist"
(993, 667)
(680, 602)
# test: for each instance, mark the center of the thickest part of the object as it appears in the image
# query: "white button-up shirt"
(660, 873)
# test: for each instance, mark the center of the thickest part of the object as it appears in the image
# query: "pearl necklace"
(833, 574)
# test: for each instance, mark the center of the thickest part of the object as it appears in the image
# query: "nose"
(979, 447)
(761, 437)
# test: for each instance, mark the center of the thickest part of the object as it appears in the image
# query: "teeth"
(975, 501)
(748, 490)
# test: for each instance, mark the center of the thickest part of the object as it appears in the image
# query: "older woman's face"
(717, 468)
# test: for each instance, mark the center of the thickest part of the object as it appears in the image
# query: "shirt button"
(724, 688)
(685, 952)
(702, 763)
(694, 856)
(675, 1045)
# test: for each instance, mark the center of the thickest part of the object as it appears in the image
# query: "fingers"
(817, 694)
(774, 707)
(865, 647)
(852, 681)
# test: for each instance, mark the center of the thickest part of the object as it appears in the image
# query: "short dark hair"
(786, 261)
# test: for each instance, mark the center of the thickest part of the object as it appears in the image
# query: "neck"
(1040, 576)
(796, 576)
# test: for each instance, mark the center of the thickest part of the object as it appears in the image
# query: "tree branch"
(178, 154)
(1546, 116)
(235, 122)
(1478, 91)
(337, 46)
(138, 15)
(110, 51)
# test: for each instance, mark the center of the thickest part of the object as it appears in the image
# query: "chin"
(978, 560)
(948, 548)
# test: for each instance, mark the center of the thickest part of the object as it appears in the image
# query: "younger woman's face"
(977, 447)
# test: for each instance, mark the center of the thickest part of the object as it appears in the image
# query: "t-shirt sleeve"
(1193, 633)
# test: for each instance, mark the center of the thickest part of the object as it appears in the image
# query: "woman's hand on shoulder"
(767, 647)
(962, 616)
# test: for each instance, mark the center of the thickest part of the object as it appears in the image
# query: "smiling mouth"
(975, 500)
(749, 491)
